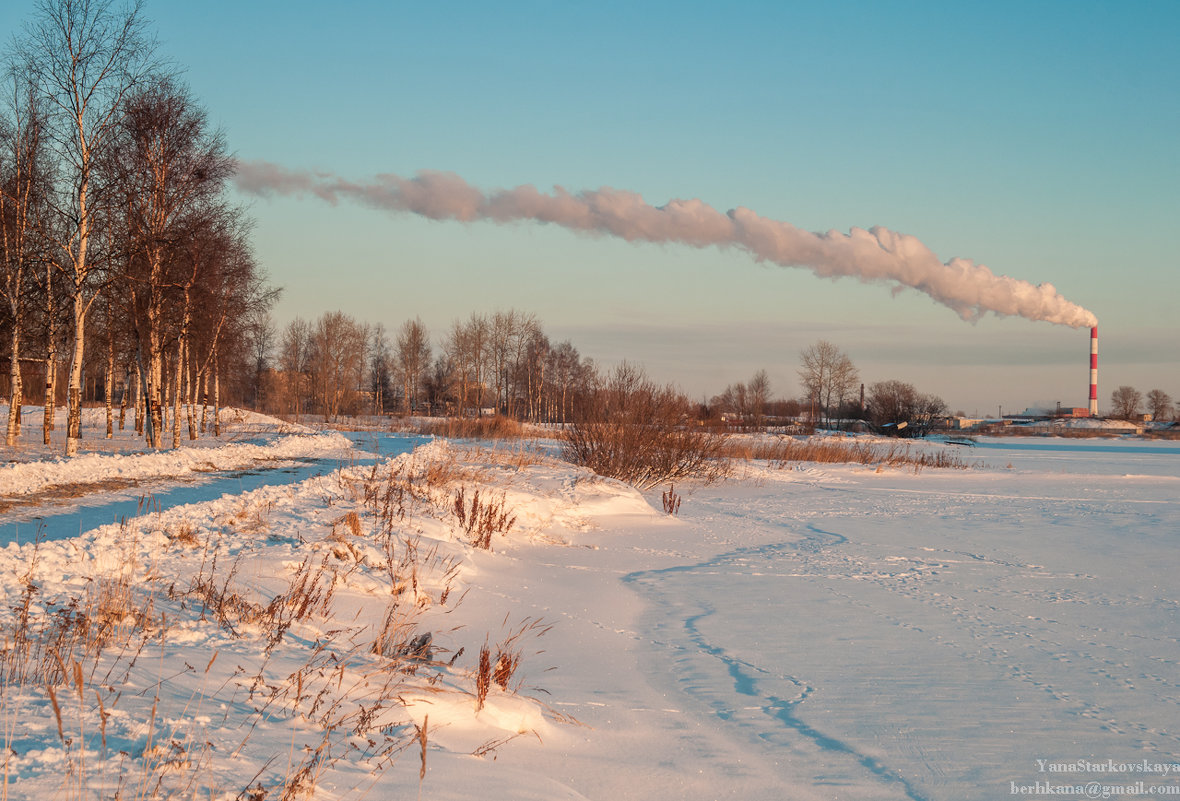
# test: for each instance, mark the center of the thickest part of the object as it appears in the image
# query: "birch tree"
(22, 183)
(828, 378)
(85, 58)
(413, 360)
(171, 170)
(380, 363)
(467, 348)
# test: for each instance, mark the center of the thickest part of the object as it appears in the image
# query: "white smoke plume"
(873, 255)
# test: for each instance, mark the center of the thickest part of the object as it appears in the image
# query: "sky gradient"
(1038, 139)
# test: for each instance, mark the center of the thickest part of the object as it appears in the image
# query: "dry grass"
(251, 518)
(495, 427)
(501, 668)
(671, 500)
(783, 452)
(82, 653)
(43, 636)
(442, 487)
(514, 458)
(480, 519)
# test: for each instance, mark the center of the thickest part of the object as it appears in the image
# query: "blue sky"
(1038, 138)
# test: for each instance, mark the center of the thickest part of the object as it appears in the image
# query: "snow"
(35, 468)
(822, 632)
(30, 477)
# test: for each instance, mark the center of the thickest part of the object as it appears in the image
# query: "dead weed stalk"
(480, 519)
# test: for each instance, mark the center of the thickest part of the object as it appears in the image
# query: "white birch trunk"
(216, 397)
(176, 395)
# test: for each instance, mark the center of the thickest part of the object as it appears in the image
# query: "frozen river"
(951, 635)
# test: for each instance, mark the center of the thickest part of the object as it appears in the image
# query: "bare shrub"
(637, 432)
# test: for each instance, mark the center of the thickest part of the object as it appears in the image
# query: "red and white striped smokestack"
(1094, 371)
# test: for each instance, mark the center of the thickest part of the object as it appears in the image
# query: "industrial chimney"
(1094, 371)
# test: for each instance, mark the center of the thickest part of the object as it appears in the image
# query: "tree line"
(833, 397)
(122, 260)
(500, 363)
(1128, 403)
(505, 364)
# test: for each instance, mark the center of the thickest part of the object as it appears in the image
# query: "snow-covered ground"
(247, 439)
(820, 632)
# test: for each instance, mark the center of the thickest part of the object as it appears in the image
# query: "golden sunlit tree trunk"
(83, 58)
(20, 185)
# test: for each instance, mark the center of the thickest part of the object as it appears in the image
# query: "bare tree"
(337, 359)
(50, 310)
(85, 58)
(745, 401)
(1125, 402)
(441, 387)
(1159, 403)
(380, 368)
(260, 330)
(569, 376)
(525, 337)
(758, 396)
(22, 184)
(228, 290)
(171, 169)
(467, 348)
(828, 377)
(413, 360)
(294, 361)
(898, 406)
(534, 372)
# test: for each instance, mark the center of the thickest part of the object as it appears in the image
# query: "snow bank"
(279, 622)
(29, 477)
